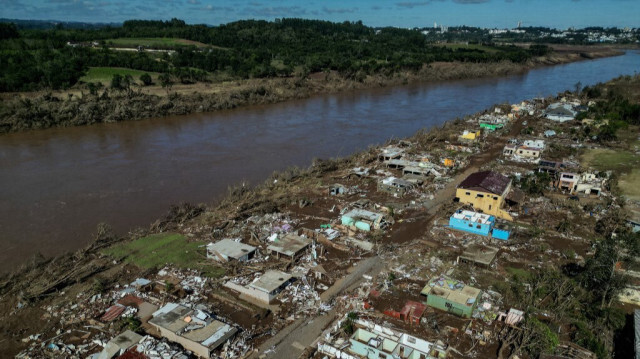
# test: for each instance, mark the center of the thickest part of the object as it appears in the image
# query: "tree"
(117, 82)
(146, 79)
(165, 81)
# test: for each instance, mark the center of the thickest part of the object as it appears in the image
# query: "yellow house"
(470, 135)
(486, 191)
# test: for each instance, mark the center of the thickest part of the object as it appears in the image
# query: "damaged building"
(486, 191)
(451, 296)
(376, 342)
(228, 249)
(193, 329)
(264, 289)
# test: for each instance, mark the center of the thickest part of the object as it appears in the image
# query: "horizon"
(375, 13)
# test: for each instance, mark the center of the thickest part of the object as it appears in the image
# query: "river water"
(56, 185)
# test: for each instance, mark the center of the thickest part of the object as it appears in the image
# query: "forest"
(56, 58)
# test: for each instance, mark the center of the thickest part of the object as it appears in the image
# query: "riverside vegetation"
(85, 76)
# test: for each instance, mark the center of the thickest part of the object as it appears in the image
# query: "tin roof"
(486, 181)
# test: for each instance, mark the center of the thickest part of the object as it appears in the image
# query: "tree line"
(56, 58)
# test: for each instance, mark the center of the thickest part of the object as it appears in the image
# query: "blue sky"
(402, 13)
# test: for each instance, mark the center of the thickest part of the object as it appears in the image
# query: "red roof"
(112, 313)
(486, 181)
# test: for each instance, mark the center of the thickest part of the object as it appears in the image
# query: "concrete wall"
(489, 203)
(448, 306)
(471, 227)
(250, 292)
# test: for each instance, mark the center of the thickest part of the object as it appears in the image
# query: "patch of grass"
(629, 183)
(105, 74)
(158, 250)
(605, 159)
(518, 272)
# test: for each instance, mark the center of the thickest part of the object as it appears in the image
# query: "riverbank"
(28, 111)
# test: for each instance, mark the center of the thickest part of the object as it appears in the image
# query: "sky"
(559, 14)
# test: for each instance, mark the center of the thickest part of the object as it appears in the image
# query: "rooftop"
(451, 290)
(363, 214)
(480, 254)
(231, 248)
(486, 181)
(270, 281)
(187, 323)
(290, 245)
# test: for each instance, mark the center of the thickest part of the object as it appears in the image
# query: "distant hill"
(50, 24)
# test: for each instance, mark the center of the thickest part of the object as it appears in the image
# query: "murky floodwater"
(57, 184)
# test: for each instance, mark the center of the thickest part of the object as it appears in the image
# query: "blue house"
(473, 222)
(478, 223)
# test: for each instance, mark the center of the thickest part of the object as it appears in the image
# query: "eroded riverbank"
(30, 111)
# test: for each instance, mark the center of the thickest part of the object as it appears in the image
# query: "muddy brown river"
(56, 185)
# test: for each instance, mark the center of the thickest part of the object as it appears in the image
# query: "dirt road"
(291, 341)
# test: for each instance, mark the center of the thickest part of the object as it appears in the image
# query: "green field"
(157, 250)
(105, 74)
(606, 159)
(153, 42)
(629, 183)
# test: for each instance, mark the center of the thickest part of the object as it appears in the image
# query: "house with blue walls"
(478, 223)
(473, 222)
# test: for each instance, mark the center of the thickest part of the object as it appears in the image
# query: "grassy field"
(629, 183)
(153, 42)
(606, 159)
(105, 74)
(159, 249)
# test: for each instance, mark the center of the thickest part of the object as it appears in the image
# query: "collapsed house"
(193, 329)
(361, 219)
(479, 254)
(586, 183)
(120, 344)
(390, 153)
(394, 186)
(451, 296)
(228, 249)
(374, 341)
(486, 191)
(264, 289)
(529, 150)
(290, 246)
(560, 112)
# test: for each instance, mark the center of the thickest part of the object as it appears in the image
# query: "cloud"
(193, 2)
(216, 8)
(471, 1)
(412, 4)
(275, 11)
(339, 10)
